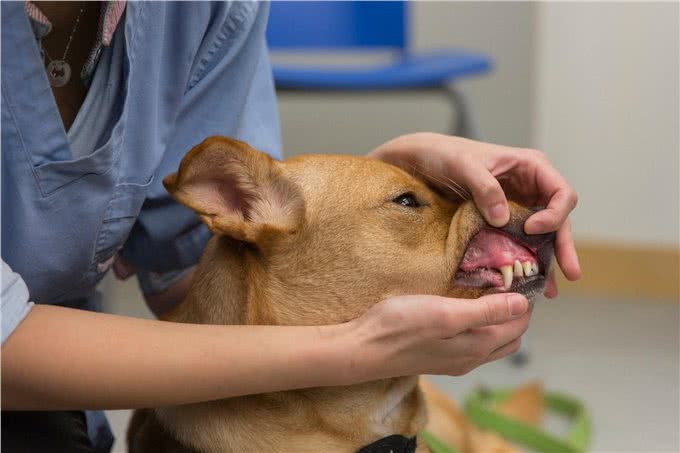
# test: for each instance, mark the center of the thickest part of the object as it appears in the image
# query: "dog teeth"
(518, 271)
(507, 276)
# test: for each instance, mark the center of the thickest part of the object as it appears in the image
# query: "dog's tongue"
(492, 249)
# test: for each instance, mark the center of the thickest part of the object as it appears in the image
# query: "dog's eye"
(407, 200)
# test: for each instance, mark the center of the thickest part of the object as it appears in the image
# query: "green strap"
(434, 444)
(480, 412)
(478, 408)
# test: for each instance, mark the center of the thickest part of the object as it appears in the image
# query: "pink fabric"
(114, 12)
(110, 15)
(34, 13)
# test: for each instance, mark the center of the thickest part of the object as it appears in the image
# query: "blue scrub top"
(174, 74)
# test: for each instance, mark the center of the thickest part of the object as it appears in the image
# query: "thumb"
(487, 193)
(490, 310)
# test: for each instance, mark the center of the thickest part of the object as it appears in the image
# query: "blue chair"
(370, 25)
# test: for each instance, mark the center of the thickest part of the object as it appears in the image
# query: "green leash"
(479, 409)
(434, 444)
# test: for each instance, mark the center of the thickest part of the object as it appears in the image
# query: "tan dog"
(314, 240)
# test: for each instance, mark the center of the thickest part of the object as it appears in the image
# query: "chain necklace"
(59, 71)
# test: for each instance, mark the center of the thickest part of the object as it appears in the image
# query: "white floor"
(621, 358)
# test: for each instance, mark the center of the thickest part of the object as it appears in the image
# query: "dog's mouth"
(497, 261)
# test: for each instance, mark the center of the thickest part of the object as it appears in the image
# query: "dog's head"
(325, 237)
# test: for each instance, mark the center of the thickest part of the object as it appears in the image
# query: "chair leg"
(464, 124)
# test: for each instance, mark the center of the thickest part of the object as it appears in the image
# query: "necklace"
(59, 71)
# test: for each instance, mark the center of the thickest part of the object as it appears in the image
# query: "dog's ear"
(236, 190)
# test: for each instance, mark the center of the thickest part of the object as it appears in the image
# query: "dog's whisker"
(458, 189)
(452, 181)
(465, 193)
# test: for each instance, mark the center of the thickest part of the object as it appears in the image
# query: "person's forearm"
(60, 358)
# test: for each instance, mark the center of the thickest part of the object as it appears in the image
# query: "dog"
(315, 240)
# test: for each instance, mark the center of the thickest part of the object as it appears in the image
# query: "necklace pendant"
(58, 73)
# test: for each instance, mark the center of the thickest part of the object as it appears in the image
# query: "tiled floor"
(621, 358)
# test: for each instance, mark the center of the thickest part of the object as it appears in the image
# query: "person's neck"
(63, 16)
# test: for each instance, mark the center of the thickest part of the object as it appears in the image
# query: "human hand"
(492, 172)
(410, 335)
(172, 289)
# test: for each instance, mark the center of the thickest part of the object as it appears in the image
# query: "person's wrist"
(340, 353)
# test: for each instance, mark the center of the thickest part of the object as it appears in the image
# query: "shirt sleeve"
(15, 304)
(231, 93)
(156, 282)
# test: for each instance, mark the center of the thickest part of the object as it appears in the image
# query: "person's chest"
(72, 37)
(69, 201)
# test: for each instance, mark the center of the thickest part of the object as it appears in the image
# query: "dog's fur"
(313, 240)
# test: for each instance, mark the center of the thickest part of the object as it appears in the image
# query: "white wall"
(606, 111)
(501, 100)
(505, 32)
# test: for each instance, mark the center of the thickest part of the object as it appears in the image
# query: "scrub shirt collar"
(109, 18)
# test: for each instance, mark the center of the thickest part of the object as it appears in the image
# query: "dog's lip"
(529, 287)
(526, 286)
(522, 247)
(490, 250)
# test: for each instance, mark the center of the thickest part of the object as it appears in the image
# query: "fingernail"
(518, 304)
(497, 212)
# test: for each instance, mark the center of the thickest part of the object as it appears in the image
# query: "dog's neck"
(344, 418)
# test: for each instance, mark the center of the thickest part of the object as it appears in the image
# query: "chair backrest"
(337, 24)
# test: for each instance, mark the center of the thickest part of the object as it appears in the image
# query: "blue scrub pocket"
(54, 175)
(119, 218)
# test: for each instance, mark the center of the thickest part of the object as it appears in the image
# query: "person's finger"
(487, 310)
(549, 219)
(122, 269)
(486, 191)
(498, 335)
(553, 191)
(565, 252)
(478, 343)
(505, 350)
(551, 286)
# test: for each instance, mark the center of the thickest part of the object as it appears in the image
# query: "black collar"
(395, 443)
